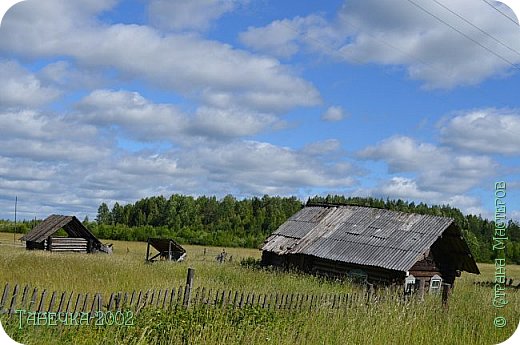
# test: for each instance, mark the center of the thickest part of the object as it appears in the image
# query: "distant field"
(469, 319)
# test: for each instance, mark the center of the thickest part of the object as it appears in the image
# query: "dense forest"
(230, 222)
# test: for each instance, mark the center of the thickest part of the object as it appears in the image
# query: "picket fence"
(31, 299)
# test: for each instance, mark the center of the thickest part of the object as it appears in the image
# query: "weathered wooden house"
(376, 245)
(79, 238)
(167, 249)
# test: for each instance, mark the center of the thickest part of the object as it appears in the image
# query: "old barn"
(376, 245)
(45, 236)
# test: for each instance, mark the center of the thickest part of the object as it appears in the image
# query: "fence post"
(189, 285)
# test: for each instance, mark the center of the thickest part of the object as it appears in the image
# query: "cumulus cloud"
(184, 63)
(258, 167)
(282, 38)
(140, 119)
(438, 169)
(134, 115)
(188, 15)
(375, 31)
(333, 114)
(44, 136)
(322, 147)
(20, 88)
(484, 131)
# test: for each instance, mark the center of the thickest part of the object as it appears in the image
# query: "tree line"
(230, 222)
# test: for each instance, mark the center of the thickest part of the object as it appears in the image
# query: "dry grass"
(469, 319)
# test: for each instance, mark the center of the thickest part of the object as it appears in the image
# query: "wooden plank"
(83, 309)
(132, 299)
(158, 299)
(153, 296)
(241, 300)
(111, 301)
(172, 297)
(119, 300)
(164, 299)
(62, 300)
(42, 300)
(4, 296)
(94, 303)
(223, 301)
(235, 299)
(24, 296)
(76, 305)
(216, 298)
(179, 295)
(229, 297)
(12, 307)
(138, 302)
(68, 302)
(51, 304)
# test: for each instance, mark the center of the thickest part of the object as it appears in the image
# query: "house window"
(435, 283)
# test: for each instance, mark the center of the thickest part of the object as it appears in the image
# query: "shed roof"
(72, 226)
(368, 236)
(163, 245)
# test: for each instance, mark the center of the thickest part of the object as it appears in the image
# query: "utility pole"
(15, 204)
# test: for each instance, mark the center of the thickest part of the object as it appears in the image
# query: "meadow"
(467, 320)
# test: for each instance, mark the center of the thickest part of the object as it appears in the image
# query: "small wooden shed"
(167, 249)
(79, 239)
(378, 246)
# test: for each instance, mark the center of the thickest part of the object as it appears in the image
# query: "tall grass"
(467, 320)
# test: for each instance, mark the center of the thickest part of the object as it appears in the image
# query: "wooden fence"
(33, 300)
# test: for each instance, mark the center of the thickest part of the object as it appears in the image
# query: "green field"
(468, 320)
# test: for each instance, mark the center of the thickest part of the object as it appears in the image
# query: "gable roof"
(72, 226)
(368, 236)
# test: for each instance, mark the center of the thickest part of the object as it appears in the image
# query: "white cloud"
(184, 63)
(188, 15)
(333, 114)
(383, 32)
(438, 169)
(485, 131)
(256, 167)
(143, 120)
(41, 136)
(322, 147)
(132, 113)
(229, 123)
(20, 88)
(282, 38)
(406, 188)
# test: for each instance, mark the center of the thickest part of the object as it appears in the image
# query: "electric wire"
(502, 13)
(463, 34)
(478, 28)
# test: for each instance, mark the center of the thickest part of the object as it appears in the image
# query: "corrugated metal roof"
(72, 226)
(363, 235)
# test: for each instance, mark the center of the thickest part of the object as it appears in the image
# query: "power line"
(502, 13)
(463, 34)
(476, 27)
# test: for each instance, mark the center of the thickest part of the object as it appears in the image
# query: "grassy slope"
(469, 319)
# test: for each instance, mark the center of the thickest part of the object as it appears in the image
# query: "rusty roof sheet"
(363, 235)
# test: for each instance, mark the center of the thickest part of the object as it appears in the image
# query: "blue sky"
(105, 101)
